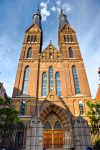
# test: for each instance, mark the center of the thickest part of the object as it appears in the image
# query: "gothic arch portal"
(62, 136)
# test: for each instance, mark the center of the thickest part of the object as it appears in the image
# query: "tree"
(8, 115)
(94, 117)
(94, 113)
(11, 127)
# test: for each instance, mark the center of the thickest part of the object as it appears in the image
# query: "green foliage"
(8, 115)
(94, 113)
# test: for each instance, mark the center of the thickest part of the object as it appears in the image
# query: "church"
(51, 89)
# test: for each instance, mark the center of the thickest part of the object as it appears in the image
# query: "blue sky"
(16, 17)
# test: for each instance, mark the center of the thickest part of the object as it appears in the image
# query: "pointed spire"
(63, 19)
(37, 18)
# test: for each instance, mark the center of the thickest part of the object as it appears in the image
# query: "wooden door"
(58, 138)
(47, 139)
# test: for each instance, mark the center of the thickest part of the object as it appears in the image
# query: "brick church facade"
(51, 88)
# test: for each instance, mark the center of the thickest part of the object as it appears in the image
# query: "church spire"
(37, 18)
(63, 19)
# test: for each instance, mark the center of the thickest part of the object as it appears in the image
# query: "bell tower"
(70, 50)
(28, 62)
(67, 39)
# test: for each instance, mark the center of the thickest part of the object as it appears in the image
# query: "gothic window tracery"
(26, 79)
(76, 81)
(44, 84)
(29, 53)
(58, 84)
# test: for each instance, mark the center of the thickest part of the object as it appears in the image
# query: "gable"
(33, 29)
(67, 28)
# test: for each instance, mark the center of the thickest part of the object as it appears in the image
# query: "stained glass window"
(44, 84)
(76, 82)
(51, 79)
(26, 79)
(58, 84)
(57, 125)
(47, 125)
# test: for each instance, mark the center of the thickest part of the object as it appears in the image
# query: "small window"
(35, 39)
(28, 39)
(81, 107)
(71, 38)
(23, 107)
(47, 125)
(71, 55)
(32, 38)
(57, 125)
(29, 53)
(65, 38)
(51, 56)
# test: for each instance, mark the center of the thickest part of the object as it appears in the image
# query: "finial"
(99, 72)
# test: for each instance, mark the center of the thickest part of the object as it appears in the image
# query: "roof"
(63, 20)
(98, 93)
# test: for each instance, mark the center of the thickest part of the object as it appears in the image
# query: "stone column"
(34, 140)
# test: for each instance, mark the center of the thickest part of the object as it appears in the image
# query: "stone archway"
(61, 137)
(53, 131)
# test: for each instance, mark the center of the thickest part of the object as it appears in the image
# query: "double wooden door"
(53, 138)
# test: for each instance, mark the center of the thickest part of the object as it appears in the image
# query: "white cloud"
(53, 8)
(44, 10)
(66, 7)
(58, 3)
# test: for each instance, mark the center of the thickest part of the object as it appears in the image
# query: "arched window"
(26, 79)
(76, 82)
(32, 38)
(47, 125)
(51, 78)
(65, 38)
(71, 55)
(51, 56)
(57, 125)
(28, 39)
(23, 107)
(29, 53)
(44, 84)
(35, 38)
(71, 38)
(58, 84)
(81, 107)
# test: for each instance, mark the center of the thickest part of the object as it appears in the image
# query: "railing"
(14, 137)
